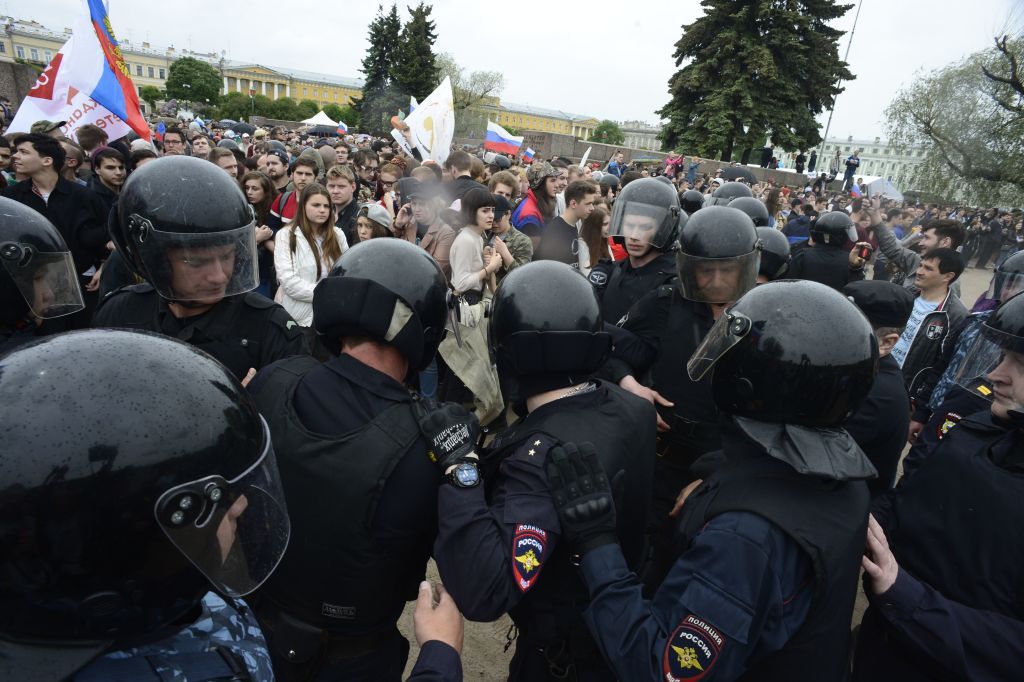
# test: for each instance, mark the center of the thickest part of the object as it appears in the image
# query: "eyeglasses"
(387, 184)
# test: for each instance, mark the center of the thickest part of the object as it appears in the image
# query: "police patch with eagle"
(692, 650)
(528, 547)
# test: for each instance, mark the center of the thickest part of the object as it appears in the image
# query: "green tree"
(285, 109)
(969, 118)
(415, 70)
(608, 132)
(308, 108)
(471, 92)
(769, 67)
(380, 98)
(193, 80)
(333, 111)
(151, 93)
(239, 106)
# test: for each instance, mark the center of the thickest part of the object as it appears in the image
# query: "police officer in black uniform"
(361, 491)
(499, 548)
(775, 254)
(194, 243)
(38, 281)
(880, 424)
(691, 201)
(717, 263)
(770, 543)
(728, 191)
(754, 208)
(945, 547)
(136, 476)
(828, 261)
(645, 220)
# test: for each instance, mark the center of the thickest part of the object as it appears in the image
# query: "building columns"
(264, 88)
(226, 85)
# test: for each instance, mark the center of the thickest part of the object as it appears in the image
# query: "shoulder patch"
(528, 547)
(597, 278)
(692, 650)
(665, 290)
(935, 330)
(535, 448)
(949, 421)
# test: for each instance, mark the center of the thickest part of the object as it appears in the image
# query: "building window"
(846, 149)
(874, 151)
(138, 69)
(151, 74)
(3, 47)
(163, 74)
(35, 54)
(20, 51)
(48, 55)
(303, 92)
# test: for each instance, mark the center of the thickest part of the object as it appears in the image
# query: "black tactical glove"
(583, 497)
(450, 429)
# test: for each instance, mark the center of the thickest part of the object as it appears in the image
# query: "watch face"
(467, 475)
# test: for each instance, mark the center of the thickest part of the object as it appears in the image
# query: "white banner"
(433, 122)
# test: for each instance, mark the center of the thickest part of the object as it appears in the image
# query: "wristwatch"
(464, 475)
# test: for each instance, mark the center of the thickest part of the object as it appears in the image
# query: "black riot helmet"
(502, 162)
(649, 210)
(151, 476)
(1008, 278)
(185, 226)
(774, 253)
(727, 192)
(691, 201)
(37, 272)
(835, 228)
(1005, 327)
(1003, 331)
(791, 352)
(389, 290)
(546, 330)
(718, 255)
(754, 208)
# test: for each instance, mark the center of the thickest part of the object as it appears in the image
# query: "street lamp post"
(828, 124)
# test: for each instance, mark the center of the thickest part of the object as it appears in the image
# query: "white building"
(640, 135)
(877, 157)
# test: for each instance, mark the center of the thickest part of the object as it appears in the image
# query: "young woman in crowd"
(260, 193)
(306, 250)
(473, 267)
(594, 239)
(372, 224)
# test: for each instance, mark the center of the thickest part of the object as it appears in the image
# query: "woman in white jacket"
(305, 251)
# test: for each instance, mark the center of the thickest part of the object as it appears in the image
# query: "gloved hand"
(450, 429)
(583, 497)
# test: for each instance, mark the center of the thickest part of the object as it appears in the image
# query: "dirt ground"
(483, 658)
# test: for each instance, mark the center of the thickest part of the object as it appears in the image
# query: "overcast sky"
(603, 58)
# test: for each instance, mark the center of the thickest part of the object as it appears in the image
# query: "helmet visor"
(980, 359)
(47, 281)
(717, 280)
(203, 267)
(1004, 285)
(727, 332)
(235, 532)
(643, 223)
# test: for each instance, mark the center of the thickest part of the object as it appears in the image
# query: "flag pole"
(828, 124)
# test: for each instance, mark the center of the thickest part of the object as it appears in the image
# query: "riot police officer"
(728, 191)
(194, 243)
(136, 473)
(775, 254)
(769, 544)
(717, 262)
(645, 219)
(38, 281)
(498, 547)
(754, 208)
(828, 261)
(945, 548)
(362, 492)
(691, 201)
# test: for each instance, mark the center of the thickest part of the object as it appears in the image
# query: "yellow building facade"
(36, 44)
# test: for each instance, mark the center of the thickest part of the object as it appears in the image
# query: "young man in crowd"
(503, 183)
(109, 173)
(74, 161)
(225, 160)
(558, 241)
(366, 165)
(460, 165)
(174, 142)
(937, 311)
(277, 169)
(201, 146)
(341, 185)
(283, 209)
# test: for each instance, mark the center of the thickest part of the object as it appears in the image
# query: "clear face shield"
(727, 332)
(639, 223)
(47, 281)
(1004, 285)
(235, 532)
(982, 357)
(717, 280)
(200, 267)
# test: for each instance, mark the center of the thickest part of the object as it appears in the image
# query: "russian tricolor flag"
(528, 155)
(855, 191)
(99, 68)
(500, 140)
(342, 128)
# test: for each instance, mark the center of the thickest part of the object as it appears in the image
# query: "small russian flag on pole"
(855, 191)
(528, 155)
(498, 139)
(342, 128)
(160, 130)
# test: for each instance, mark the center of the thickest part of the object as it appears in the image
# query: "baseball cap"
(501, 207)
(376, 213)
(45, 126)
(279, 154)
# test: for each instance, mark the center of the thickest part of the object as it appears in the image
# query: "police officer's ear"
(887, 337)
